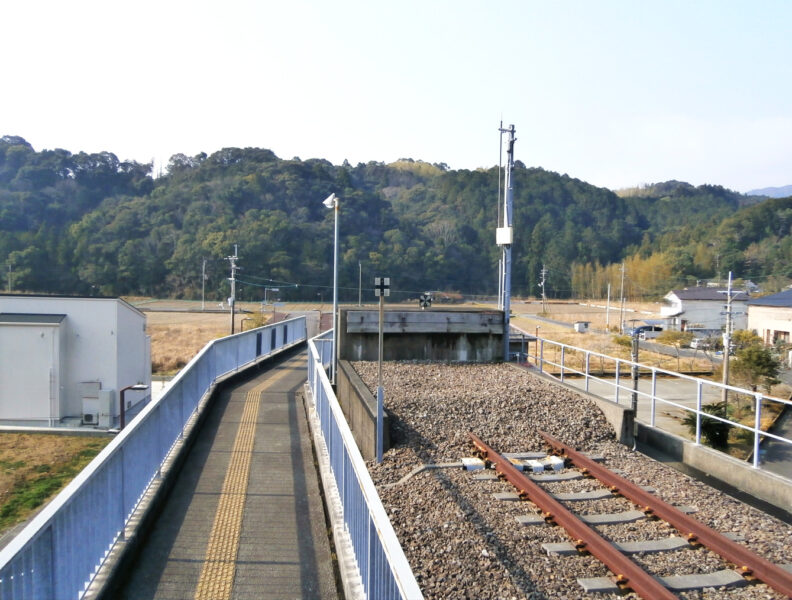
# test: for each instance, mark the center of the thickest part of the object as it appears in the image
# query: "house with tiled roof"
(702, 310)
(771, 317)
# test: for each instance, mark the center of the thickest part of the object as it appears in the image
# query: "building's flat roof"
(30, 318)
(781, 299)
(64, 297)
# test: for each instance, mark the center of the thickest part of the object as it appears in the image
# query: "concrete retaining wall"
(437, 335)
(360, 408)
(762, 484)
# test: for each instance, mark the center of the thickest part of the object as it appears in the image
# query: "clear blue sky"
(616, 93)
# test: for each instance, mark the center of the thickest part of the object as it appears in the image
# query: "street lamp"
(122, 414)
(332, 202)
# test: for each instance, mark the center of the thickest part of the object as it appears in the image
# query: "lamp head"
(331, 201)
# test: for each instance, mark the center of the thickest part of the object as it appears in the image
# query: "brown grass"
(34, 467)
(176, 337)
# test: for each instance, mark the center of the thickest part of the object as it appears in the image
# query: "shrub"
(715, 432)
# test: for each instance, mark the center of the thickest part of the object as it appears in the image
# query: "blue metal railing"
(384, 570)
(62, 549)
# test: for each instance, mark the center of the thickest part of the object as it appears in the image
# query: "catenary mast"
(504, 236)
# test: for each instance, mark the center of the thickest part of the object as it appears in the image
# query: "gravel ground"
(462, 543)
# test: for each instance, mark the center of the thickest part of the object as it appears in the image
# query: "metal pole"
(335, 296)
(360, 284)
(635, 373)
(757, 430)
(500, 282)
(232, 299)
(621, 311)
(380, 389)
(607, 311)
(507, 254)
(203, 285)
(727, 343)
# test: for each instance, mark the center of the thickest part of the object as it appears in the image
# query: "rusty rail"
(628, 574)
(748, 563)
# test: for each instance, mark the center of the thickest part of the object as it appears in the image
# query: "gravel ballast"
(462, 543)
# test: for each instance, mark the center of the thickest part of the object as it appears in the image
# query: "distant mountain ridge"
(773, 192)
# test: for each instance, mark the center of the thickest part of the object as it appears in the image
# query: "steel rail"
(628, 573)
(748, 563)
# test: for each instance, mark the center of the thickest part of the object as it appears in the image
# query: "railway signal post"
(381, 289)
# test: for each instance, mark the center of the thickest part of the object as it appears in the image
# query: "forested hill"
(91, 224)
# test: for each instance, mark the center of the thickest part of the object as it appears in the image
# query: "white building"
(63, 360)
(703, 309)
(771, 317)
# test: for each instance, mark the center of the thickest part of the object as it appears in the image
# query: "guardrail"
(622, 384)
(383, 567)
(59, 553)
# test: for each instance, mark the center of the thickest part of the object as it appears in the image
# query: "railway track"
(741, 566)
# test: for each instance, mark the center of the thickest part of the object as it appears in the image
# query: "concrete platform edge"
(347, 564)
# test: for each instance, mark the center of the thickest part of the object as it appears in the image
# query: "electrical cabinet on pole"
(504, 235)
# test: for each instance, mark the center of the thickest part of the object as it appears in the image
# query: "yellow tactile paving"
(217, 574)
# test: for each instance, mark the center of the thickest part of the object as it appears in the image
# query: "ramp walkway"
(245, 518)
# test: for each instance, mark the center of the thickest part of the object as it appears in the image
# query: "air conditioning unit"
(90, 411)
(107, 408)
(90, 402)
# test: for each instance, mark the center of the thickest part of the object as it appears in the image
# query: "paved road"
(245, 518)
(668, 417)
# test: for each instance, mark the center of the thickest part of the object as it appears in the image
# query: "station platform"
(245, 518)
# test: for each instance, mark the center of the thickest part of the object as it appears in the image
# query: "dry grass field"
(35, 467)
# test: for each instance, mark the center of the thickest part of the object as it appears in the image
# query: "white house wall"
(133, 342)
(766, 321)
(708, 314)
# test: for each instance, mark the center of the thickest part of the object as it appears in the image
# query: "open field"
(35, 467)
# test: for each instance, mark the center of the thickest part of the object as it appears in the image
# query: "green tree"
(754, 366)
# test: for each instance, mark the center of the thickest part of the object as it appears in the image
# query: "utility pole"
(607, 311)
(203, 285)
(543, 274)
(360, 284)
(621, 311)
(504, 234)
(9, 277)
(727, 341)
(232, 298)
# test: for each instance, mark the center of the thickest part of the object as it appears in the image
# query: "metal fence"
(570, 363)
(383, 568)
(61, 550)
